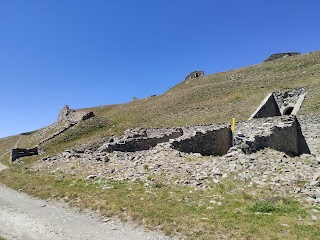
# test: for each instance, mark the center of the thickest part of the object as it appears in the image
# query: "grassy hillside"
(211, 99)
(223, 211)
(218, 97)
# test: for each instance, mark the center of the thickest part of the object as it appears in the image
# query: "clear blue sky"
(90, 53)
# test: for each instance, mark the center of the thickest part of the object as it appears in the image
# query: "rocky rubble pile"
(298, 176)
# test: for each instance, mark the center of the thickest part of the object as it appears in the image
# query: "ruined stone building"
(195, 74)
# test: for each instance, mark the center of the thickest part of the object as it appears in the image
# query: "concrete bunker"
(23, 152)
(280, 103)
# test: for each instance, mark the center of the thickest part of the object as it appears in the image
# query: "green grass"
(223, 210)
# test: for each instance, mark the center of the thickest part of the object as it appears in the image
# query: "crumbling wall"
(279, 133)
(63, 113)
(276, 56)
(282, 138)
(310, 128)
(139, 139)
(195, 74)
(22, 152)
(208, 140)
(66, 114)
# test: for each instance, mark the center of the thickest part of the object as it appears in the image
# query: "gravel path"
(23, 217)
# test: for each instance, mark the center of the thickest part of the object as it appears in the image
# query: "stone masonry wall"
(310, 127)
(206, 140)
(22, 152)
(139, 139)
(280, 133)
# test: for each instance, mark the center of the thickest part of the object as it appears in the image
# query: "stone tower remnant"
(73, 116)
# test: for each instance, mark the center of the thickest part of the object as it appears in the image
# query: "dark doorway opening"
(288, 111)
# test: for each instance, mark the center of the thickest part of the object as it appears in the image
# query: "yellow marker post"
(232, 131)
(232, 124)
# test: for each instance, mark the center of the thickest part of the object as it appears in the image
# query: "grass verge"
(221, 211)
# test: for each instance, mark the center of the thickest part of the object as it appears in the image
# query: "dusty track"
(23, 217)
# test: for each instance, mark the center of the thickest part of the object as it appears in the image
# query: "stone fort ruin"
(273, 125)
(195, 74)
(276, 56)
(67, 116)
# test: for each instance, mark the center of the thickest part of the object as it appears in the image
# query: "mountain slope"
(211, 99)
(190, 195)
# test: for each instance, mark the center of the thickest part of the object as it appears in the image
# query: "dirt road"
(23, 217)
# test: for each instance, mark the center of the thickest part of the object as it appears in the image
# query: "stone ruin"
(280, 133)
(73, 116)
(273, 125)
(138, 139)
(289, 102)
(276, 56)
(22, 152)
(206, 140)
(280, 103)
(195, 74)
